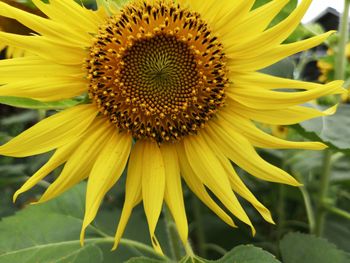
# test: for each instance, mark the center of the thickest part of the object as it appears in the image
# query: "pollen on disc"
(157, 71)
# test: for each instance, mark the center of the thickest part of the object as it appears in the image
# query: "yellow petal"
(261, 80)
(43, 47)
(198, 188)
(204, 8)
(254, 22)
(209, 170)
(81, 161)
(229, 14)
(71, 14)
(219, 16)
(106, 171)
(45, 89)
(239, 187)
(237, 184)
(133, 192)
(274, 35)
(250, 62)
(239, 150)
(153, 186)
(259, 138)
(290, 115)
(43, 26)
(2, 46)
(33, 67)
(268, 100)
(59, 157)
(173, 189)
(51, 133)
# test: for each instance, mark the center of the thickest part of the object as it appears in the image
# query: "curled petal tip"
(331, 110)
(115, 246)
(15, 196)
(253, 230)
(321, 146)
(331, 32)
(82, 237)
(295, 182)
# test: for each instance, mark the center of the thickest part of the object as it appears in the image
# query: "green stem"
(338, 211)
(189, 251)
(281, 205)
(309, 211)
(308, 205)
(174, 240)
(322, 196)
(305, 58)
(126, 242)
(215, 248)
(340, 58)
(280, 211)
(99, 232)
(142, 247)
(200, 234)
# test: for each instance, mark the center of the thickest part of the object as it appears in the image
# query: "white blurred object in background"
(318, 6)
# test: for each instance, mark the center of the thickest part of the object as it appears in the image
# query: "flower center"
(157, 71)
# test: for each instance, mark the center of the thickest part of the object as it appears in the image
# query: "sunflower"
(174, 92)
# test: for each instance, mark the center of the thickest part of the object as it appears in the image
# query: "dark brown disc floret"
(157, 71)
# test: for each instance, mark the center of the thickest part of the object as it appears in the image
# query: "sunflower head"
(157, 71)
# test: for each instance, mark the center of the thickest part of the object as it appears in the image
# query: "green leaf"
(64, 252)
(337, 231)
(48, 233)
(248, 254)
(51, 231)
(304, 248)
(240, 254)
(283, 69)
(35, 104)
(143, 260)
(333, 130)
